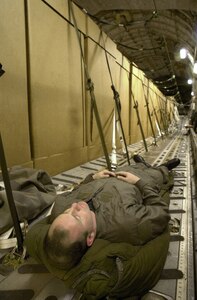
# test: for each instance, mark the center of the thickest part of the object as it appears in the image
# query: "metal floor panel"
(179, 263)
(180, 252)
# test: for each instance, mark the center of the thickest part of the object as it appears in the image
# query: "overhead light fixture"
(183, 53)
(192, 93)
(190, 81)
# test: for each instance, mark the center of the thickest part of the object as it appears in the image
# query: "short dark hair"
(61, 252)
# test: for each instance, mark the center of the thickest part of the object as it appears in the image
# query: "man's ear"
(90, 238)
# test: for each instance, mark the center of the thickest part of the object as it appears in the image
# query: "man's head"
(70, 235)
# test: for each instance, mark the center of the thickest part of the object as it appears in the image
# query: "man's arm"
(152, 215)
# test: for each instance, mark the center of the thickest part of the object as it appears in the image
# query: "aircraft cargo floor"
(31, 281)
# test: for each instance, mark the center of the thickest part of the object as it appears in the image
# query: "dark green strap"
(10, 198)
(156, 117)
(161, 114)
(90, 87)
(148, 112)
(117, 102)
(139, 122)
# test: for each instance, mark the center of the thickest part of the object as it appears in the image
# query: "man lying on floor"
(112, 220)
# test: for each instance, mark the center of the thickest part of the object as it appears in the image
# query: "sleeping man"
(122, 206)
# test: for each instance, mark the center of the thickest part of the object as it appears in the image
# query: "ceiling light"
(190, 81)
(183, 53)
(192, 93)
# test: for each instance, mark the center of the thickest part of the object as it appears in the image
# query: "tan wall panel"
(123, 61)
(59, 107)
(120, 80)
(112, 48)
(170, 108)
(156, 96)
(156, 104)
(140, 87)
(94, 32)
(102, 39)
(143, 108)
(161, 105)
(56, 84)
(139, 97)
(14, 123)
(153, 101)
(63, 161)
(62, 7)
(151, 125)
(81, 18)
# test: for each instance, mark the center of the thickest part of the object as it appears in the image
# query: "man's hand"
(128, 177)
(103, 174)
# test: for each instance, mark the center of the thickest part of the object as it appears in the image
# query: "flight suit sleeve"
(153, 215)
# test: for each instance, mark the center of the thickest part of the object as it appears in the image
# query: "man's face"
(78, 219)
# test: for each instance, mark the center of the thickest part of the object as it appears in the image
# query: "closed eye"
(78, 218)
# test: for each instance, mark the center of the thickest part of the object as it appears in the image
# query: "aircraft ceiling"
(150, 33)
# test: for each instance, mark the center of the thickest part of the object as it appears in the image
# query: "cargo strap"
(117, 108)
(156, 119)
(162, 117)
(90, 87)
(9, 194)
(139, 121)
(149, 115)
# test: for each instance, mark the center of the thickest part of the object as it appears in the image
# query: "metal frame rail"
(193, 138)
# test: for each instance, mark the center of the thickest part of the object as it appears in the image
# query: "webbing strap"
(117, 103)
(161, 114)
(10, 198)
(90, 87)
(163, 119)
(156, 117)
(139, 121)
(148, 112)
(114, 154)
(119, 122)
